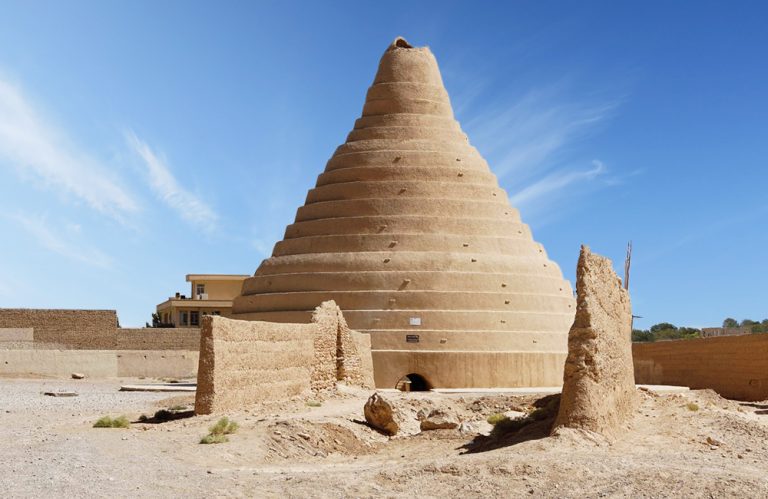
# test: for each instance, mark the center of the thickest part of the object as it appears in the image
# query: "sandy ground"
(293, 450)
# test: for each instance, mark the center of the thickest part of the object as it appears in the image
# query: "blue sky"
(141, 141)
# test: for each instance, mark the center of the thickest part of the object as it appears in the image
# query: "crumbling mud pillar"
(599, 392)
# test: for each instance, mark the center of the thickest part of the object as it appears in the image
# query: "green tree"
(689, 332)
(730, 322)
(667, 334)
(638, 335)
(762, 327)
(157, 322)
(662, 326)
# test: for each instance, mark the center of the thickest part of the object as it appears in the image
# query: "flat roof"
(217, 277)
(189, 303)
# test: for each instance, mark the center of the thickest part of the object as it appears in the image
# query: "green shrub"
(108, 422)
(314, 403)
(495, 418)
(692, 406)
(217, 434)
(214, 439)
(223, 427)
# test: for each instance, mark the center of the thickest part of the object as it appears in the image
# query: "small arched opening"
(413, 383)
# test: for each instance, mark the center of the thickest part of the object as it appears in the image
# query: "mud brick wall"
(358, 364)
(12, 338)
(340, 353)
(67, 329)
(736, 367)
(158, 339)
(242, 363)
(246, 362)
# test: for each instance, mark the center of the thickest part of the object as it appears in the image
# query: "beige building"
(210, 294)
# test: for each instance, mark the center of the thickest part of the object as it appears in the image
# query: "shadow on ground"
(762, 409)
(535, 426)
(165, 415)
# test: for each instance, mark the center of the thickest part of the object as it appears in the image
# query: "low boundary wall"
(181, 338)
(100, 363)
(736, 367)
(74, 329)
(58, 329)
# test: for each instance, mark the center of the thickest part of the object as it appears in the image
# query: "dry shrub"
(217, 434)
(108, 422)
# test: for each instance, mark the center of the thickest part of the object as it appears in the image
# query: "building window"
(183, 318)
(194, 318)
(199, 289)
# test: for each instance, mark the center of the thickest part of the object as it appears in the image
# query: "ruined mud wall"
(69, 329)
(340, 353)
(182, 338)
(247, 362)
(358, 360)
(736, 367)
(599, 393)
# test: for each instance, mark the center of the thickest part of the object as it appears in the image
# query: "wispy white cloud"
(532, 144)
(696, 233)
(59, 243)
(165, 186)
(33, 145)
(554, 182)
(522, 138)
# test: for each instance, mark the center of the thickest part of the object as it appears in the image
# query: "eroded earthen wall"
(325, 322)
(599, 393)
(340, 353)
(736, 367)
(242, 363)
(247, 362)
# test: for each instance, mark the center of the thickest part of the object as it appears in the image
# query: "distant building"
(210, 294)
(707, 332)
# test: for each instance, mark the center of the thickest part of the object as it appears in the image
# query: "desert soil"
(714, 448)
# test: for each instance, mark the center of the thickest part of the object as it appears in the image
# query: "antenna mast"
(627, 264)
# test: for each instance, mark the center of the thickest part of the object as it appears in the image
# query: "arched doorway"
(413, 383)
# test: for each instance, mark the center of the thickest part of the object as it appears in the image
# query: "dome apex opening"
(400, 43)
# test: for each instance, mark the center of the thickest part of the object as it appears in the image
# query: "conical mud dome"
(409, 232)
